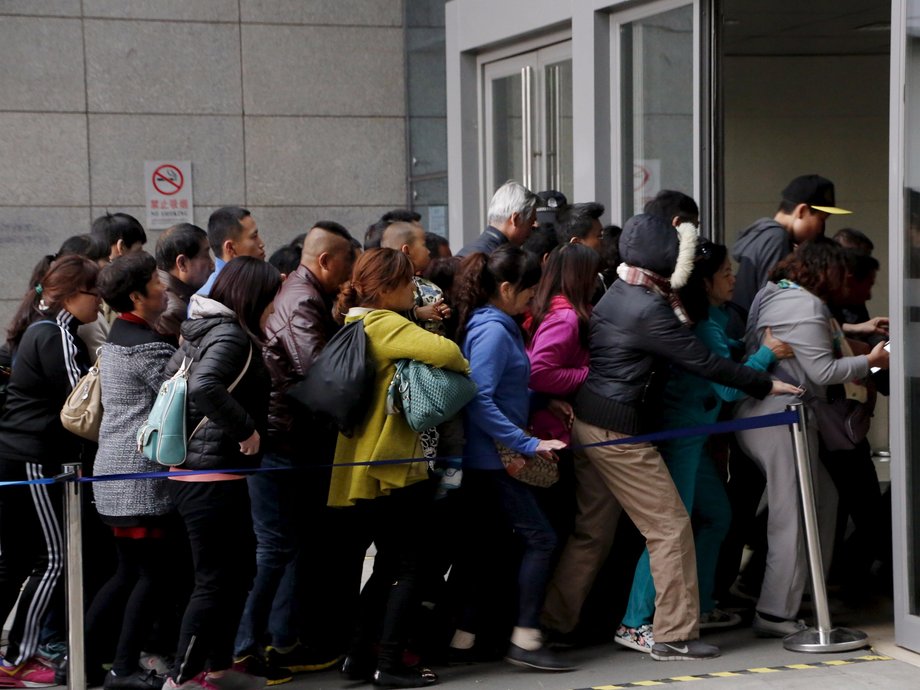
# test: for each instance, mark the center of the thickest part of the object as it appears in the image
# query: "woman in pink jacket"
(558, 329)
(558, 353)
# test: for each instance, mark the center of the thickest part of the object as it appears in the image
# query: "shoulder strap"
(242, 373)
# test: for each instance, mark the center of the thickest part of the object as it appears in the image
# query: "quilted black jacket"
(635, 337)
(218, 346)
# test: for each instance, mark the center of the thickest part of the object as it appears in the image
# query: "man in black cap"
(550, 205)
(806, 203)
(542, 239)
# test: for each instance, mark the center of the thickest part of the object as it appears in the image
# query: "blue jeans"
(517, 504)
(703, 493)
(275, 498)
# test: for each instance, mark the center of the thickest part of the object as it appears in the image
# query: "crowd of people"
(494, 528)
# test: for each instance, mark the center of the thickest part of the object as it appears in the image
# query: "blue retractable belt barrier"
(763, 421)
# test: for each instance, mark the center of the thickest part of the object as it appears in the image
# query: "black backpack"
(340, 383)
(5, 373)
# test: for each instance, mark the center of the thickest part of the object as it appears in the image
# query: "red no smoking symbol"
(168, 179)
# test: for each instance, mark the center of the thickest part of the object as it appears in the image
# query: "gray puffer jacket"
(219, 348)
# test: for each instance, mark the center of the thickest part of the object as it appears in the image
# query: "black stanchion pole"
(73, 518)
(824, 638)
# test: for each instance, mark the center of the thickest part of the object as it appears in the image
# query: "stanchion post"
(73, 514)
(824, 638)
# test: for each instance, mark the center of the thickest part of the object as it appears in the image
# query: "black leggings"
(130, 598)
(219, 525)
(399, 523)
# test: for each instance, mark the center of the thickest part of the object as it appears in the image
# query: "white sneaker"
(764, 628)
(641, 639)
(154, 662)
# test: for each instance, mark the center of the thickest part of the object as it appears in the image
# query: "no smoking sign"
(168, 186)
(168, 179)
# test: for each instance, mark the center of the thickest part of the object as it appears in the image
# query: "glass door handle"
(527, 124)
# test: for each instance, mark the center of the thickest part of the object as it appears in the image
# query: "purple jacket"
(558, 364)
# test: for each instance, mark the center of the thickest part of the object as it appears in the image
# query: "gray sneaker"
(717, 618)
(765, 628)
(684, 649)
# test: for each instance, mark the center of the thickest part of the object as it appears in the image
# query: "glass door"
(655, 103)
(904, 294)
(555, 89)
(527, 117)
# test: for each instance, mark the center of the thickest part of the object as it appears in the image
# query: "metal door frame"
(617, 19)
(907, 624)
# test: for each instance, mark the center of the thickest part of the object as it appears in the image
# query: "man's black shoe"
(357, 668)
(139, 680)
(405, 677)
(541, 659)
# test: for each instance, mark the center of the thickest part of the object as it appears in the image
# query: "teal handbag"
(162, 438)
(427, 395)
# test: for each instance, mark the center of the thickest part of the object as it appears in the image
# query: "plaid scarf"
(643, 277)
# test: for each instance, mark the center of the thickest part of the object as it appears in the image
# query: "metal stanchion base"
(834, 640)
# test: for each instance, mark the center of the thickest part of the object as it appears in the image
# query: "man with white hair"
(512, 212)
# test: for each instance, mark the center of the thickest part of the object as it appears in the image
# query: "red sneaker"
(30, 674)
(199, 682)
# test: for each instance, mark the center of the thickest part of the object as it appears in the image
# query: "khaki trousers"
(634, 478)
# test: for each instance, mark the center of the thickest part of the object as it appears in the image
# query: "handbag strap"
(230, 388)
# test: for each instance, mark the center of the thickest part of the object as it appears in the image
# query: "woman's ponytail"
(348, 298)
(473, 287)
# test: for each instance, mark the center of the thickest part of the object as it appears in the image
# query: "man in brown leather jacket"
(289, 507)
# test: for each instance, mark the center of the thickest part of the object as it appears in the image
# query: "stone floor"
(746, 662)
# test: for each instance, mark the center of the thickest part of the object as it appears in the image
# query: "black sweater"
(47, 365)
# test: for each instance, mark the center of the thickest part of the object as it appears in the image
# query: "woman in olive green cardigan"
(394, 498)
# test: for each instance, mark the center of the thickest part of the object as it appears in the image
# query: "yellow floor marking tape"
(743, 672)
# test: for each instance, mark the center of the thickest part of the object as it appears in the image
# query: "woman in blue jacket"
(690, 401)
(492, 291)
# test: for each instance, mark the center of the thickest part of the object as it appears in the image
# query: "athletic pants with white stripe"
(31, 552)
